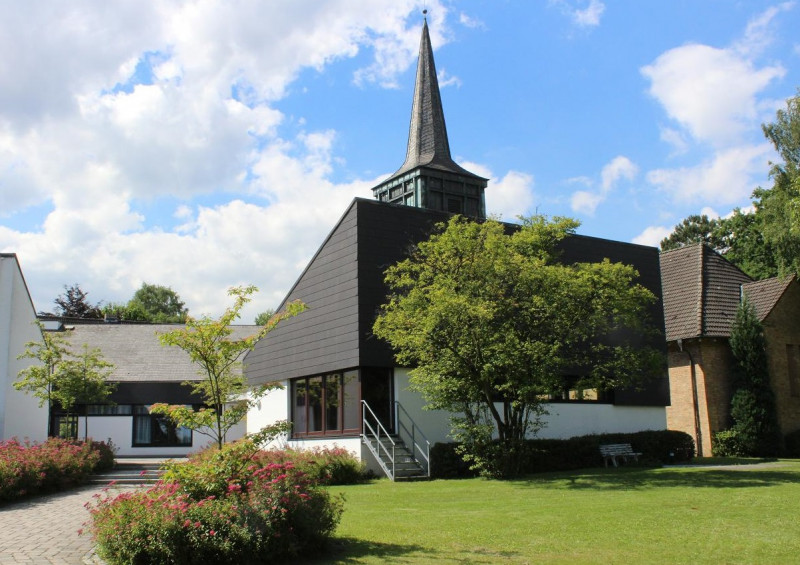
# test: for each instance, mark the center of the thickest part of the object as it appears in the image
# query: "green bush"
(728, 443)
(545, 455)
(264, 515)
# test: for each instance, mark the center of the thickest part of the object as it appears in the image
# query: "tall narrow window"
(315, 404)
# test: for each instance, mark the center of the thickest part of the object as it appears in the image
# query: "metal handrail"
(377, 435)
(424, 454)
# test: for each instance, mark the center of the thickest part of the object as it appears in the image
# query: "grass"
(740, 514)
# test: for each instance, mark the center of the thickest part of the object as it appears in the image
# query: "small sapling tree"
(224, 389)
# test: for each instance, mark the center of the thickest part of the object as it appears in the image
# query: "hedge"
(543, 455)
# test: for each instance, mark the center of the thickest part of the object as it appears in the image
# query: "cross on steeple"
(430, 178)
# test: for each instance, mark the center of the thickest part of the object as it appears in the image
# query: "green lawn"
(736, 514)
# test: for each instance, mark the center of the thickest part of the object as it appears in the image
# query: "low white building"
(20, 413)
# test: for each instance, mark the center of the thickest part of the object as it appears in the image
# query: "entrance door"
(378, 392)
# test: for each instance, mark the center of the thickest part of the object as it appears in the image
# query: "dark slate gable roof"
(702, 291)
(136, 352)
(343, 288)
(764, 295)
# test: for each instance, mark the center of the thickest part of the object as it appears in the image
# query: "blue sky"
(202, 145)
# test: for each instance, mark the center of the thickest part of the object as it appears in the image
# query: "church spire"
(429, 178)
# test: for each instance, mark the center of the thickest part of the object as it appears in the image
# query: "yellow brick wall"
(781, 328)
(712, 364)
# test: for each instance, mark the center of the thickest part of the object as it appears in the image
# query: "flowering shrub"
(329, 466)
(265, 514)
(211, 470)
(32, 468)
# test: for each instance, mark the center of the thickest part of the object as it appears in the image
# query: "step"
(130, 473)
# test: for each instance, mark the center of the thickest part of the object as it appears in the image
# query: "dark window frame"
(301, 412)
(173, 438)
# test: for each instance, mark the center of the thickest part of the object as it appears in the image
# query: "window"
(326, 404)
(151, 430)
(109, 409)
(573, 391)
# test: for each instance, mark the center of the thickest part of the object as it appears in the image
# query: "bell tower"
(430, 178)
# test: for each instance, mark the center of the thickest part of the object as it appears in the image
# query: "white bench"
(618, 453)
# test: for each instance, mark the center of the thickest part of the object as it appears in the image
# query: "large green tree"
(224, 389)
(150, 303)
(491, 322)
(695, 229)
(780, 205)
(739, 237)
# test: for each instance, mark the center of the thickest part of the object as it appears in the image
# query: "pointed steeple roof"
(428, 145)
(429, 178)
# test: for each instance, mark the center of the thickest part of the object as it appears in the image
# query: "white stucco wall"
(119, 429)
(20, 413)
(564, 420)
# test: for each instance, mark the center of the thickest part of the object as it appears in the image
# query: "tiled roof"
(136, 352)
(701, 292)
(763, 295)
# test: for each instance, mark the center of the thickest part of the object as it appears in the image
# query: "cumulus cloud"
(725, 178)
(508, 196)
(178, 108)
(618, 169)
(714, 97)
(652, 236)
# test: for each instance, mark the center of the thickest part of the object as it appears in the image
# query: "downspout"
(698, 436)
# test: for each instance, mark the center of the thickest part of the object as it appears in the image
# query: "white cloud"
(715, 97)
(618, 169)
(583, 13)
(710, 92)
(470, 22)
(725, 178)
(585, 202)
(710, 212)
(179, 101)
(509, 196)
(652, 236)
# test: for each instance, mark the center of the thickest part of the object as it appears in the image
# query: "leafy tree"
(491, 322)
(161, 303)
(40, 379)
(739, 238)
(64, 378)
(150, 303)
(84, 381)
(262, 319)
(224, 388)
(74, 304)
(755, 424)
(695, 229)
(780, 205)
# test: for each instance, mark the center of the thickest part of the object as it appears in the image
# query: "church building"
(342, 385)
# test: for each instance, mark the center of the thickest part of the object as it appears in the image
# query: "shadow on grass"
(633, 478)
(351, 550)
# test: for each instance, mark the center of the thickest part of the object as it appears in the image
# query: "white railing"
(374, 430)
(406, 427)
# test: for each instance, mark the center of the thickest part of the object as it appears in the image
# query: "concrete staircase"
(130, 472)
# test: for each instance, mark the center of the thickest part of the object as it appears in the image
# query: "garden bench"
(623, 451)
